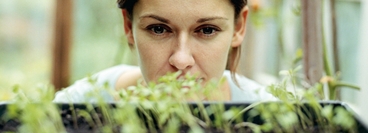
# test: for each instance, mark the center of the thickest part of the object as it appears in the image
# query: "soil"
(10, 125)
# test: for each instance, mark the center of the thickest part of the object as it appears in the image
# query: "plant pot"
(75, 123)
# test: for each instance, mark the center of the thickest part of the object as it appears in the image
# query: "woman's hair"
(234, 54)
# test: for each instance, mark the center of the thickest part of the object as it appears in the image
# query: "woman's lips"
(182, 76)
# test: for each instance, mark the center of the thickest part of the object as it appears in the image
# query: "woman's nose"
(182, 59)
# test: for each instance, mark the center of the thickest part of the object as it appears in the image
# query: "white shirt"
(249, 90)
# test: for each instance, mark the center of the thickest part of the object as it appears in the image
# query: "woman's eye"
(157, 29)
(208, 30)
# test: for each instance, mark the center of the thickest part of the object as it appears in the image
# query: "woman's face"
(192, 36)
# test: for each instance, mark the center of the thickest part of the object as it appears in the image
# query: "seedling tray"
(81, 125)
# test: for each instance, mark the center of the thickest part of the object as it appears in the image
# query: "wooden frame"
(62, 43)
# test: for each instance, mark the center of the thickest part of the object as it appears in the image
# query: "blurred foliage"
(99, 41)
(26, 32)
(24, 42)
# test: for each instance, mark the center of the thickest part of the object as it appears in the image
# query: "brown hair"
(234, 54)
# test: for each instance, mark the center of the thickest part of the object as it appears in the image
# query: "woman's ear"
(240, 27)
(128, 29)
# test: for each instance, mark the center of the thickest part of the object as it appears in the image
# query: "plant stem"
(342, 84)
(203, 111)
(244, 110)
(255, 128)
(327, 66)
(334, 37)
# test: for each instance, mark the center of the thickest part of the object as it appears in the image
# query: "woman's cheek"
(152, 59)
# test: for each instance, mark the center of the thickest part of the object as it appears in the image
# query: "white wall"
(362, 104)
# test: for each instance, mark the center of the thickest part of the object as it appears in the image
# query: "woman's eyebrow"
(202, 20)
(164, 20)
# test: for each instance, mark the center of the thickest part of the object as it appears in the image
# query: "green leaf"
(327, 112)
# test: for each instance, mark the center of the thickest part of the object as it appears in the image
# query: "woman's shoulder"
(112, 74)
(106, 78)
(244, 89)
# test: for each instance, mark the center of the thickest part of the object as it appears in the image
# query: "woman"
(193, 36)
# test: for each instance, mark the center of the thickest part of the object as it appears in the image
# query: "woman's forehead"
(184, 8)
